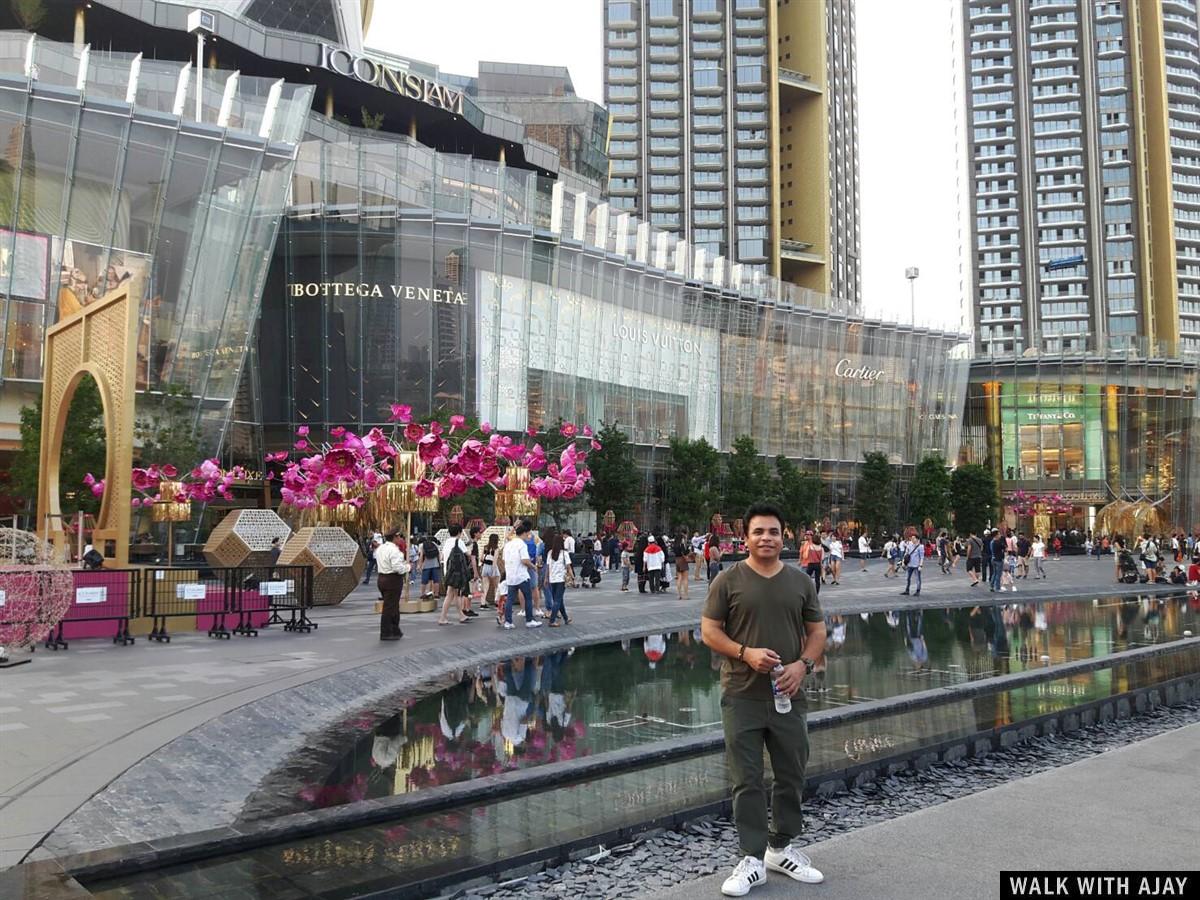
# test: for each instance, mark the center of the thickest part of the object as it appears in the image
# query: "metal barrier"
(220, 601)
(288, 588)
(255, 595)
(101, 595)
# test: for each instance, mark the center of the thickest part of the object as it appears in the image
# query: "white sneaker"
(533, 623)
(508, 625)
(794, 864)
(746, 874)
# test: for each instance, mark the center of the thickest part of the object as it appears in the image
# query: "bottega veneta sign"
(406, 84)
(370, 291)
(846, 369)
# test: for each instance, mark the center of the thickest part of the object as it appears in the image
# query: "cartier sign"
(847, 369)
(398, 81)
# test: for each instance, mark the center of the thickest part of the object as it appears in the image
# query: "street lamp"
(911, 274)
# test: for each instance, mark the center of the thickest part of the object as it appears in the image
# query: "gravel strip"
(658, 860)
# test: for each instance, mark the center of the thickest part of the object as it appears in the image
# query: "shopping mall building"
(327, 231)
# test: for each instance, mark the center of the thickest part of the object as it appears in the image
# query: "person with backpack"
(890, 553)
(811, 554)
(458, 579)
(429, 562)
(1150, 557)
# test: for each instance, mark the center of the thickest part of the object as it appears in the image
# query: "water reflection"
(533, 710)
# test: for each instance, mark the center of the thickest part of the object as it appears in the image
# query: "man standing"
(914, 559)
(760, 615)
(517, 570)
(864, 550)
(999, 549)
(392, 567)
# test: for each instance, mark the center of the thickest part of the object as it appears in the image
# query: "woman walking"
(683, 552)
(558, 570)
(810, 559)
(837, 553)
(458, 578)
(712, 553)
(491, 572)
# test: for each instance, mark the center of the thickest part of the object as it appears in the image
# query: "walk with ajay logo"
(1100, 884)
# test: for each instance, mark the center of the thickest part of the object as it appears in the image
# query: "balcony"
(790, 78)
(798, 251)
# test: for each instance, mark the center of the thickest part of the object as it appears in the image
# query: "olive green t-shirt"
(761, 612)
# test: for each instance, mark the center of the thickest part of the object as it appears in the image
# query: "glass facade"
(406, 275)
(1093, 431)
(96, 192)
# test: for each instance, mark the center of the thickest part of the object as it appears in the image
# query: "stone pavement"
(71, 722)
(1128, 809)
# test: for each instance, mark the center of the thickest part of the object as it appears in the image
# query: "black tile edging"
(113, 861)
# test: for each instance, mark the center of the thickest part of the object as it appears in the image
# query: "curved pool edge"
(219, 842)
(279, 724)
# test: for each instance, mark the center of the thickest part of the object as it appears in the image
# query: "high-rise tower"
(734, 125)
(1084, 127)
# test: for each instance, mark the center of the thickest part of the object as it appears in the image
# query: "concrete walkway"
(72, 721)
(1129, 809)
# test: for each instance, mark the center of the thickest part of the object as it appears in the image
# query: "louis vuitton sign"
(398, 81)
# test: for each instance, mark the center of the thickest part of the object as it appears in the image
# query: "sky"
(907, 102)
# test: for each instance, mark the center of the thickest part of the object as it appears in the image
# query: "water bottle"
(783, 703)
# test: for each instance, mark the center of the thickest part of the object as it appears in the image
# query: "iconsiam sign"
(417, 465)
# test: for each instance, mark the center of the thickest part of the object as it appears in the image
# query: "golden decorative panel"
(100, 339)
(243, 538)
(337, 561)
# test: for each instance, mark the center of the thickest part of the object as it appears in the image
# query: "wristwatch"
(808, 665)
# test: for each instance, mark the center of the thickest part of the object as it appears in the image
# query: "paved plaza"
(1116, 811)
(71, 722)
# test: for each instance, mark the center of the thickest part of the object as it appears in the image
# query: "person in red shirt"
(1193, 573)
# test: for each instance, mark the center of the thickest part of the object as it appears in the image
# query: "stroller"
(589, 575)
(1128, 568)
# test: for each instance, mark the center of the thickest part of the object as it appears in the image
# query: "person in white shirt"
(864, 550)
(558, 571)
(837, 552)
(392, 567)
(1038, 551)
(517, 569)
(568, 542)
(653, 560)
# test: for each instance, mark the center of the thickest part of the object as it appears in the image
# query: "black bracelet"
(742, 653)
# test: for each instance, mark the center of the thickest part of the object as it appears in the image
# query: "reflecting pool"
(528, 711)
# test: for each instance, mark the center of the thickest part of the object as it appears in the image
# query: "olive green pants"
(751, 725)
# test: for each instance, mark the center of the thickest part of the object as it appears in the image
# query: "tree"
(798, 492)
(693, 472)
(83, 451)
(30, 13)
(747, 477)
(616, 482)
(163, 432)
(875, 493)
(974, 497)
(929, 492)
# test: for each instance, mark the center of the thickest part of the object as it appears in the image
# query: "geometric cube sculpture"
(244, 537)
(337, 561)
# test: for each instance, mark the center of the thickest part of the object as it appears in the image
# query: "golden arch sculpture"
(100, 339)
